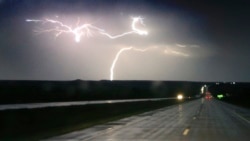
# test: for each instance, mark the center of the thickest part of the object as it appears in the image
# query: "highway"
(198, 120)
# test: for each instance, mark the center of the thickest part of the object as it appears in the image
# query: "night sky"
(193, 41)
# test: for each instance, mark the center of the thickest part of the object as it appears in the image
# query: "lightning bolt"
(118, 55)
(174, 52)
(134, 29)
(85, 29)
(166, 51)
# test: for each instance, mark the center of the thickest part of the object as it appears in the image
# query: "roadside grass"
(239, 101)
(42, 123)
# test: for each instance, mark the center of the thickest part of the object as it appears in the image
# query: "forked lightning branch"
(87, 30)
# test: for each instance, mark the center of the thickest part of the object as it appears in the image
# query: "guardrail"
(73, 103)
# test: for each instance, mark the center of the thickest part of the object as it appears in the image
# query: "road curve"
(198, 120)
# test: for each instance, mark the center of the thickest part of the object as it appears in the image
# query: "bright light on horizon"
(179, 96)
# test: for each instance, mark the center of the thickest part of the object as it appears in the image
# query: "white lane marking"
(241, 117)
(185, 132)
(233, 112)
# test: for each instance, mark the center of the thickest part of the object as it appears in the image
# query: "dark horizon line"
(102, 80)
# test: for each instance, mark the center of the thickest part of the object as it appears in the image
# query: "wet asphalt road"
(198, 120)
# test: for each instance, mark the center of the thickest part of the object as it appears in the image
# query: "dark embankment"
(50, 91)
(235, 93)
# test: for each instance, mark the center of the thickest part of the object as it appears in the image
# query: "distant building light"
(220, 96)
